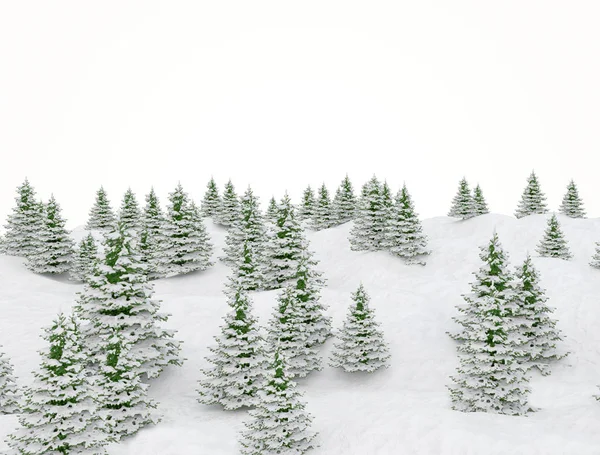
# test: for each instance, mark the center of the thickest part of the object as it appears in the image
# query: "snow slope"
(403, 410)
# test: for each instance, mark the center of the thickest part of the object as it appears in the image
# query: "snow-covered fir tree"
(152, 241)
(24, 223)
(272, 210)
(237, 360)
(538, 326)
(249, 269)
(230, 206)
(388, 199)
(129, 214)
(287, 330)
(117, 296)
(490, 377)
(9, 392)
(322, 214)
(53, 248)
(361, 345)
(572, 205)
(280, 423)
(211, 203)
(462, 204)
(596, 257)
(368, 232)
(306, 210)
(186, 246)
(101, 217)
(480, 206)
(344, 202)
(60, 408)
(84, 258)
(404, 235)
(554, 244)
(533, 200)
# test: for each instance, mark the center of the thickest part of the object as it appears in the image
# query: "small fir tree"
(533, 200)
(152, 240)
(248, 268)
(322, 215)
(344, 202)
(102, 217)
(572, 205)
(307, 206)
(361, 345)
(480, 206)
(211, 203)
(272, 211)
(554, 244)
(462, 204)
(280, 423)
(129, 214)
(84, 259)
(23, 224)
(490, 377)
(368, 232)
(9, 392)
(230, 206)
(596, 257)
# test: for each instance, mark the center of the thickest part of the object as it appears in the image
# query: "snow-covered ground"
(402, 410)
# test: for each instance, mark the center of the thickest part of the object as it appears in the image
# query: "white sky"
(282, 94)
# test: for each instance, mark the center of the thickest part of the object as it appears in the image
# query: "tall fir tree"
(361, 345)
(230, 206)
(60, 408)
(152, 240)
(272, 210)
(84, 258)
(280, 423)
(186, 245)
(53, 248)
(211, 203)
(490, 377)
(404, 234)
(129, 214)
(10, 396)
(595, 262)
(533, 200)
(24, 223)
(554, 244)
(572, 205)
(101, 217)
(322, 214)
(368, 232)
(480, 206)
(237, 360)
(306, 210)
(344, 202)
(462, 204)
(538, 326)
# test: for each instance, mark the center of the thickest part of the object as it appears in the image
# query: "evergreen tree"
(248, 268)
(59, 415)
(102, 217)
(9, 392)
(230, 206)
(344, 202)
(272, 211)
(117, 296)
(404, 234)
(24, 223)
(533, 200)
(480, 206)
(596, 257)
(361, 345)
(307, 207)
(151, 238)
(186, 246)
(280, 423)
(211, 204)
(53, 248)
(462, 204)
(572, 205)
(238, 360)
(538, 326)
(368, 232)
(287, 330)
(554, 244)
(322, 214)
(490, 377)
(129, 214)
(84, 258)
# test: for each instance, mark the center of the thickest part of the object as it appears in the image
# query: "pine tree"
(596, 257)
(84, 258)
(211, 204)
(60, 408)
(538, 326)
(151, 236)
(344, 202)
(272, 211)
(490, 377)
(287, 330)
(533, 200)
(117, 296)
(53, 248)
(572, 205)
(361, 346)
(230, 206)
(480, 206)
(307, 207)
(368, 232)
(462, 204)
(554, 244)
(186, 246)
(322, 214)
(238, 359)
(129, 214)
(280, 423)
(248, 268)
(24, 223)
(102, 217)
(9, 392)
(404, 234)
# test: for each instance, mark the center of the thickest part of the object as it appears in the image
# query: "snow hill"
(402, 410)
